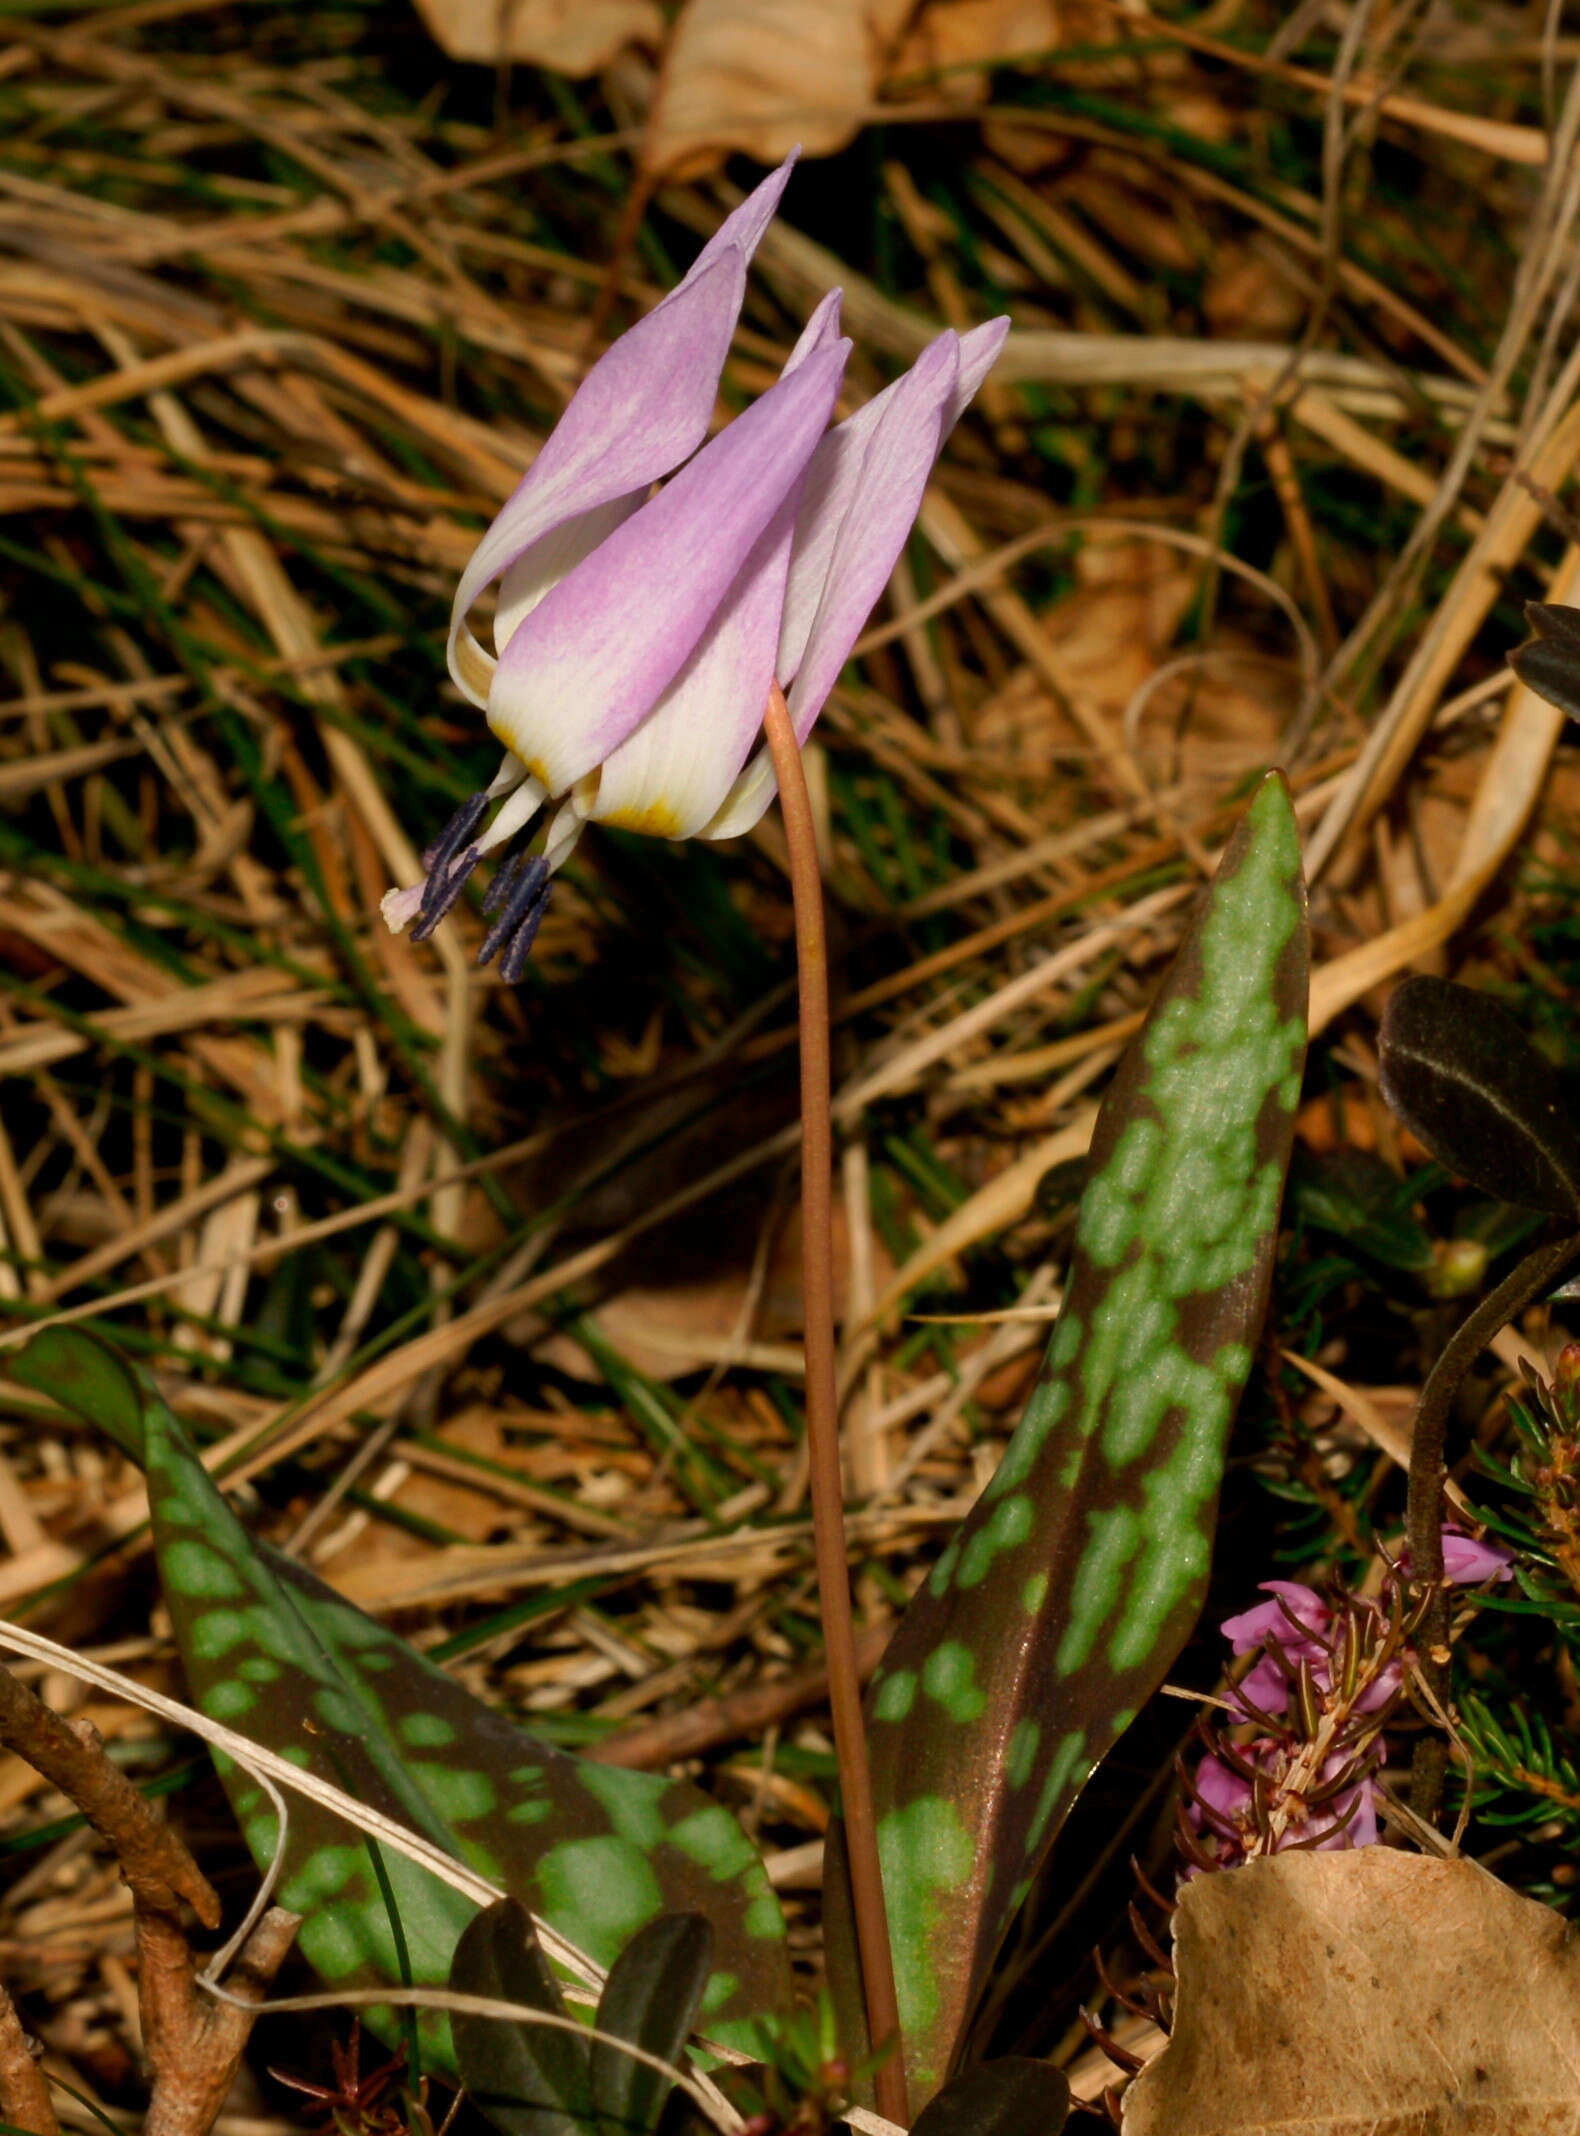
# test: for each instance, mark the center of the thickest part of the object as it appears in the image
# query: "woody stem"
(822, 1412)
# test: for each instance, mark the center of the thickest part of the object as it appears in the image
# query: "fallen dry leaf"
(953, 42)
(569, 36)
(762, 75)
(1205, 727)
(1368, 1993)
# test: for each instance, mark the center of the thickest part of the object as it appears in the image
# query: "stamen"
(519, 809)
(514, 961)
(441, 891)
(455, 834)
(527, 888)
(504, 881)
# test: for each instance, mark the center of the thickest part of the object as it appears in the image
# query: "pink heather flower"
(1296, 1621)
(1223, 1807)
(1467, 1562)
(1294, 1611)
(637, 636)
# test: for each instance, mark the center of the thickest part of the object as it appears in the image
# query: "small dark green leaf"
(1466, 1080)
(1354, 1195)
(651, 1998)
(1014, 2097)
(1549, 663)
(88, 1377)
(528, 2080)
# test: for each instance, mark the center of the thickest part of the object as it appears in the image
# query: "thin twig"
(153, 1859)
(1424, 1518)
(822, 1412)
(24, 2090)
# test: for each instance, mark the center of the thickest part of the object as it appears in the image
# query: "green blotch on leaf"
(715, 1842)
(896, 1695)
(765, 1919)
(229, 1701)
(530, 1812)
(331, 1945)
(1063, 1779)
(944, 1571)
(322, 1877)
(425, 1731)
(1022, 1754)
(949, 1679)
(194, 1568)
(926, 1854)
(1034, 1593)
(607, 1886)
(633, 1803)
(1008, 1526)
(1112, 1541)
(459, 1796)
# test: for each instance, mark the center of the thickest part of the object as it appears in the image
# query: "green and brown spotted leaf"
(1079, 1573)
(275, 1654)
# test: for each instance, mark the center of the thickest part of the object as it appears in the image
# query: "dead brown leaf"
(953, 42)
(570, 36)
(762, 75)
(1368, 1991)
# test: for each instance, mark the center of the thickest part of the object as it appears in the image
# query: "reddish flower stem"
(822, 1413)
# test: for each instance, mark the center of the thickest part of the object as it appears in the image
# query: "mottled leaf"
(651, 1998)
(273, 1652)
(1079, 1573)
(1466, 1080)
(1012, 2097)
(1549, 663)
(528, 2080)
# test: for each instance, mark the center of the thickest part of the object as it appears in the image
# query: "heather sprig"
(1296, 1763)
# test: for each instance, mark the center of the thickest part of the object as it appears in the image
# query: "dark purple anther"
(526, 888)
(454, 835)
(517, 950)
(441, 891)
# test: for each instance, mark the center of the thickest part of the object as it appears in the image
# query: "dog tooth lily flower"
(637, 635)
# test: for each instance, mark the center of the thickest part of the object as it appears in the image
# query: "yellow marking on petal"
(657, 820)
(499, 728)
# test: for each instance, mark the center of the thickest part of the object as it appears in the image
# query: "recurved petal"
(901, 449)
(642, 409)
(672, 775)
(593, 658)
(907, 423)
(837, 473)
(744, 226)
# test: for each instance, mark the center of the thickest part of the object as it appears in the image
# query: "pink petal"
(643, 408)
(671, 776)
(1467, 1562)
(1264, 1690)
(1223, 1792)
(673, 773)
(835, 480)
(743, 228)
(593, 658)
(839, 472)
(1295, 1605)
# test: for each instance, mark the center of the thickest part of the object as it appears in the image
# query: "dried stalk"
(822, 1413)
